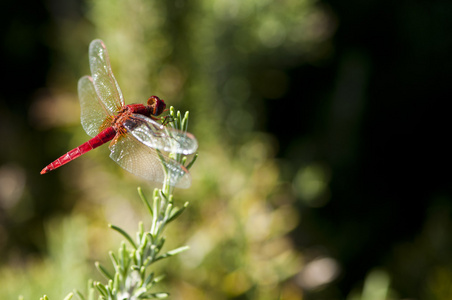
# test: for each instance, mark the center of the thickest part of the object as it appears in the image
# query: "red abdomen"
(100, 139)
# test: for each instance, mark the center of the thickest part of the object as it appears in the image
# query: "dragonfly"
(138, 140)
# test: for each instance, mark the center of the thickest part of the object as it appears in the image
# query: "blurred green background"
(324, 168)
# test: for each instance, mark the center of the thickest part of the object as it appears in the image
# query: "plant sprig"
(132, 278)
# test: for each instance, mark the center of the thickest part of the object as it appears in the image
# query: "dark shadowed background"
(324, 169)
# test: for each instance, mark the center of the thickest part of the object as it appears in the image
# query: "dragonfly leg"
(167, 119)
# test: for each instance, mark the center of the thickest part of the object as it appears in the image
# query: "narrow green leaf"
(145, 201)
(110, 285)
(124, 259)
(184, 125)
(148, 260)
(172, 252)
(139, 256)
(178, 250)
(159, 153)
(125, 234)
(134, 257)
(101, 288)
(154, 295)
(69, 296)
(145, 240)
(91, 290)
(156, 193)
(163, 195)
(168, 210)
(142, 275)
(138, 293)
(114, 261)
(79, 294)
(160, 243)
(149, 279)
(151, 237)
(141, 227)
(140, 232)
(179, 119)
(159, 278)
(195, 157)
(116, 282)
(156, 212)
(103, 271)
(177, 212)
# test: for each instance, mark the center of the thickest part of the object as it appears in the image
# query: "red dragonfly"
(136, 136)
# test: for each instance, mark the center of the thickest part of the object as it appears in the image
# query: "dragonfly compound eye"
(157, 104)
(160, 106)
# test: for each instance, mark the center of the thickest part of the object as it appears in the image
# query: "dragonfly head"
(157, 105)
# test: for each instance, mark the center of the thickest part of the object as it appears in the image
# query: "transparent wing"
(145, 162)
(106, 86)
(157, 136)
(93, 113)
